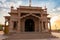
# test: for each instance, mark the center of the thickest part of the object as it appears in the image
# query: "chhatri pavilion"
(28, 19)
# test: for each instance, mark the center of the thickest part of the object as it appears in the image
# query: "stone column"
(42, 25)
(40, 28)
(46, 26)
(18, 28)
(35, 26)
(22, 25)
(11, 26)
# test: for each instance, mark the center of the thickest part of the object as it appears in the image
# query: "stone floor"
(38, 39)
(2, 36)
(53, 33)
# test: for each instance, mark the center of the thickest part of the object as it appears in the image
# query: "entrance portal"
(29, 25)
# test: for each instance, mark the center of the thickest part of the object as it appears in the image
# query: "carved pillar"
(19, 20)
(35, 26)
(11, 26)
(42, 25)
(46, 26)
(18, 28)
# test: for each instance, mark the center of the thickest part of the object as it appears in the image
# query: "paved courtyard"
(41, 39)
(53, 33)
(2, 36)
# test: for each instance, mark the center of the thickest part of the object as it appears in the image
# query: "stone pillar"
(18, 28)
(46, 26)
(35, 26)
(42, 25)
(11, 26)
(23, 26)
(40, 28)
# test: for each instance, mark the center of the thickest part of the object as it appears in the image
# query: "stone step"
(34, 33)
(18, 36)
(31, 39)
(30, 36)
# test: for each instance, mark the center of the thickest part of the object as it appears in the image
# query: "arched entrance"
(29, 25)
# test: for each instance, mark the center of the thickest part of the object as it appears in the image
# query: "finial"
(30, 3)
(45, 6)
(12, 7)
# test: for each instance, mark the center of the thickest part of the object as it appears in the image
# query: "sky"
(53, 7)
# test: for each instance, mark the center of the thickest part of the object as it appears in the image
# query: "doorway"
(29, 25)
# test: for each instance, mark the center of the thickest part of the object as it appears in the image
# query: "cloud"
(6, 4)
(2, 1)
(58, 8)
(54, 12)
(9, 4)
(5, 7)
(55, 15)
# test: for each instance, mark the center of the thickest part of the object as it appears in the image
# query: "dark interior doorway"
(14, 25)
(29, 25)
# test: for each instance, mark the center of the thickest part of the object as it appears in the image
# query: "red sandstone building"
(28, 19)
(28, 22)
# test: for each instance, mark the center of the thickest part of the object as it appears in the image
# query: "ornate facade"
(28, 19)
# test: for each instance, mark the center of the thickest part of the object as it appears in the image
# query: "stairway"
(18, 36)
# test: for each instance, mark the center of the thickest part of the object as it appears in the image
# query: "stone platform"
(28, 35)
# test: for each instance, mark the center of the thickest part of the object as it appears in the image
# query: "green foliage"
(6, 30)
(1, 28)
(58, 29)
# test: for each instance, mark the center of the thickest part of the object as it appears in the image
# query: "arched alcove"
(29, 25)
